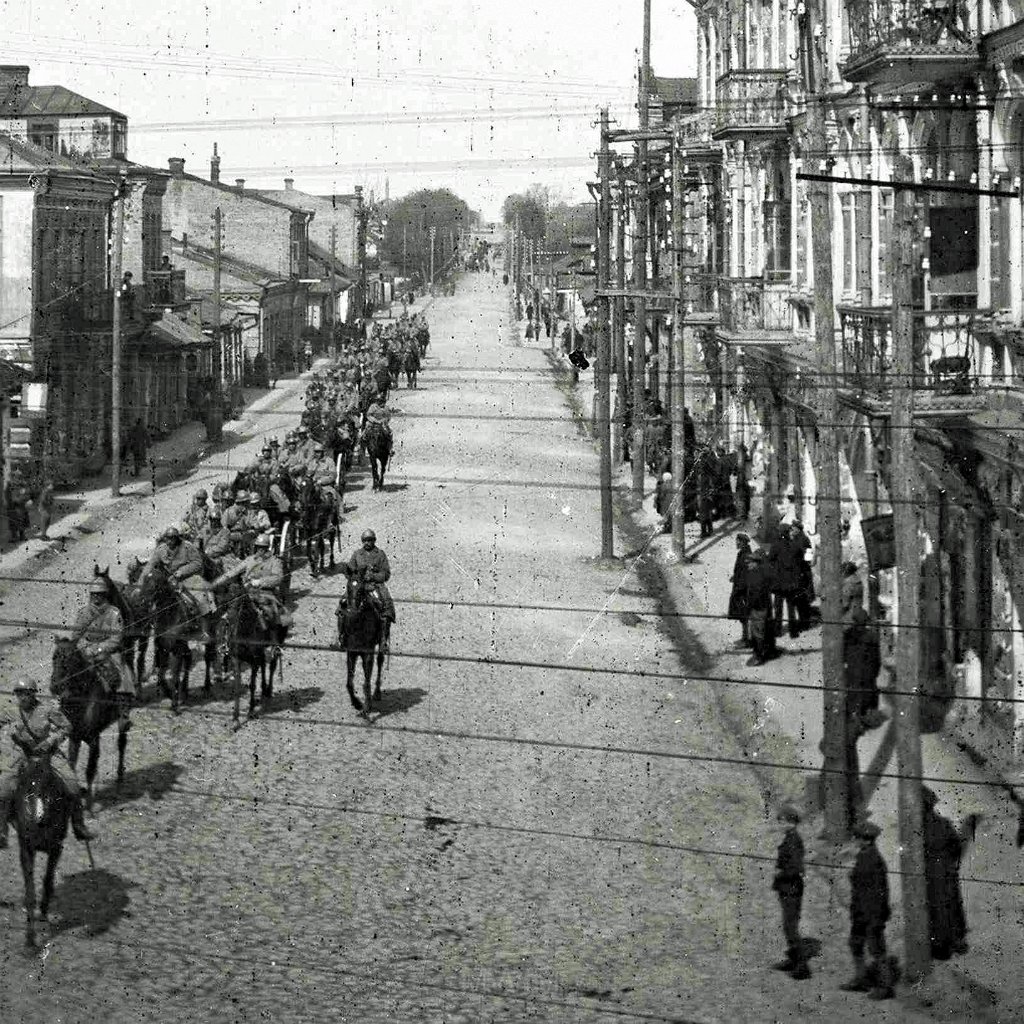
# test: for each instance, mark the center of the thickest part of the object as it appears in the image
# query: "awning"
(173, 332)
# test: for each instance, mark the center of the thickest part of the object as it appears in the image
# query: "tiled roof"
(50, 101)
(675, 90)
(16, 155)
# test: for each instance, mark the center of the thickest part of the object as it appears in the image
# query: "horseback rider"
(257, 519)
(378, 572)
(323, 472)
(287, 457)
(380, 414)
(40, 732)
(183, 562)
(262, 572)
(217, 541)
(98, 634)
(198, 512)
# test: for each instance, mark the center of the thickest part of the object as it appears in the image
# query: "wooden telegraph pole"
(905, 498)
(836, 783)
(604, 354)
(677, 380)
(619, 341)
(115, 341)
(640, 267)
(217, 408)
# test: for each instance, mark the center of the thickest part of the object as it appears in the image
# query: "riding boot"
(859, 982)
(205, 629)
(82, 834)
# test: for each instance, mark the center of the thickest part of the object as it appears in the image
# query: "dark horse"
(248, 640)
(125, 597)
(362, 632)
(377, 445)
(319, 518)
(89, 707)
(412, 366)
(174, 623)
(394, 366)
(42, 810)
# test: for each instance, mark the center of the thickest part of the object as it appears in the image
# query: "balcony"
(165, 289)
(750, 102)
(906, 42)
(955, 361)
(754, 310)
(694, 136)
(701, 293)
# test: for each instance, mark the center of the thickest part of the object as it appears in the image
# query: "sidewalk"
(784, 726)
(83, 510)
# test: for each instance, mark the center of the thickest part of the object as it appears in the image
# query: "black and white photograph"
(512, 513)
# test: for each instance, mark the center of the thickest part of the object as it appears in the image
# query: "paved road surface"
(472, 855)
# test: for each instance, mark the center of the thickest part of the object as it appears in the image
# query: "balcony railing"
(695, 131)
(701, 291)
(890, 37)
(950, 356)
(165, 288)
(750, 101)
(753, 305)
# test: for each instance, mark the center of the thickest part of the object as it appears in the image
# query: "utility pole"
(552, 319)
(604, 350)
(361, 225)
(905, 499)
(433, 238)
(217, 408)
(115, 340)
(640, 268)
(405, 250)
(676, 378)
(838, 781)
(619, 341)
(334, 297)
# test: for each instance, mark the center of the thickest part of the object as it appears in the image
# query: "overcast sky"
(241, 74)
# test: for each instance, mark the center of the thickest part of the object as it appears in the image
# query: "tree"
(406, 239)
(566, 222)
(531, 211)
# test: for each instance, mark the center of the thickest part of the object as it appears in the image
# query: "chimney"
(176, 165)
(215, 166)
(13, 76)
(289, 184)
(239, 183)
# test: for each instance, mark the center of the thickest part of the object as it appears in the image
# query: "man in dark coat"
(869, 912)
(943, 848)
(787, 564)
(738, 597)
(789, 884)
(862, 661)
(760, 620)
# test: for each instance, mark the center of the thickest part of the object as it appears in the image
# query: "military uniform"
(98, 635)
(378, 572)
(218, 545)
(36, 732)
(263, 573)
(869, 912)
(196, 518)
(789, 885)
(257, 520)
(185, 567)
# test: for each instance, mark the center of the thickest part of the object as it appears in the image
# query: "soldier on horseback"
(379, 415)
(217, 541)
(98, 634)
(40, 732)
(183, 562)
(262, 572)
(372, 559)
(198, 513)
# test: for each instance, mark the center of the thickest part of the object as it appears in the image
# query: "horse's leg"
(350, 657)
(367, 658)
(48, 879)
(73, 747)
(123, 725)
(140, 664)
(382, 652)
(253, 669)
(91, 767)
(28, 873)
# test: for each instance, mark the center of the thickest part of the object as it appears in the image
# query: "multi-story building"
(917, 85)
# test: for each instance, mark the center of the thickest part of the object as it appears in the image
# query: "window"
(885, 214)
(119, 146)
(848, 213)
(44, 135)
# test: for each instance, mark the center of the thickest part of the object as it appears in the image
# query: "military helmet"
(171, 533)
(255, 499)
(264, 540)
(318, 447)
(368, 535)
(274, 443)
(242, 497)
(215, 514)
(98, 587)
(201, 495)
(25, 686)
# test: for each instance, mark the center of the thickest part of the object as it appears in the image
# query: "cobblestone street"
(503, 842)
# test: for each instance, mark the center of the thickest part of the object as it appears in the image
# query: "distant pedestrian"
(851, 588)
(738, 597)
(705, 496)
(862, 661)
(943, 850)
(45, 505)
(16, 500)
(138, 444)
(742, 483)
(786, 561)
(805, 592)
(789, 886)
(761, 621)
(869, 912)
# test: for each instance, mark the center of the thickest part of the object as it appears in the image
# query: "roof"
(51, 101)
(173, 331)
(303, 200)
(321, 255)
(16, 155)
(675, 91)
(12, 376)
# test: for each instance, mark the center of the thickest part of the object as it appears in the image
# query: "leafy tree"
(406, 241)
(530, 210)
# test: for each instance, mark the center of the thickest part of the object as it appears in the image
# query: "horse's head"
(135, 568)
(356, 590)
(155, 587)
(69, 669)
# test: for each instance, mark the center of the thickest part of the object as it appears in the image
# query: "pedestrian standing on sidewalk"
(869, 912)
(943, 849)
(760, 620)
(787, 560)
(738, 598)
(742, 483)
(789, 885)
(45, 505)
(705, 495)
